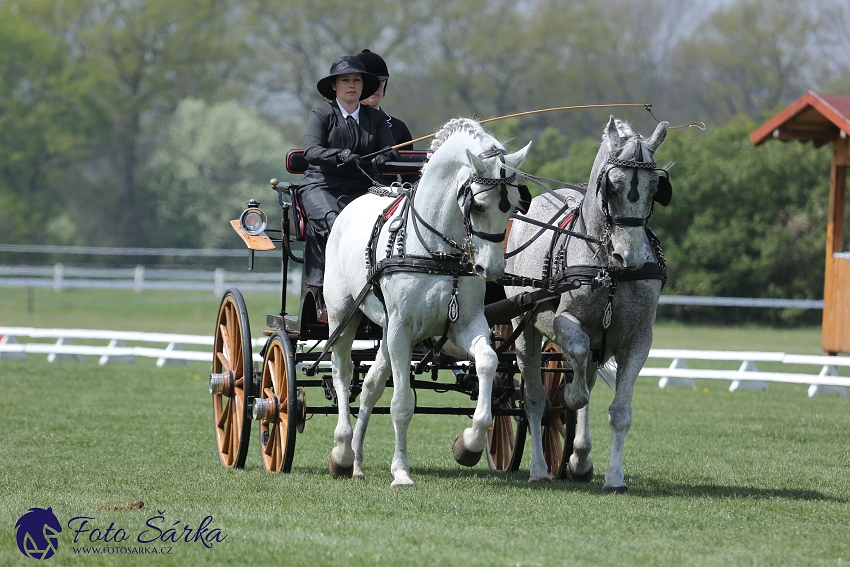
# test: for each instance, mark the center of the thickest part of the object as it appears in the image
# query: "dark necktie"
(354, 131)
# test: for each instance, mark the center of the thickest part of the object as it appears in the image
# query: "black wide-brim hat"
(342, 66)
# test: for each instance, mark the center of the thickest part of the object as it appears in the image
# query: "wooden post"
(836, 294)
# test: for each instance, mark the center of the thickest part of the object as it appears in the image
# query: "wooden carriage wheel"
(277, 406)
(506, 439)
(231, 380)
(558, 421)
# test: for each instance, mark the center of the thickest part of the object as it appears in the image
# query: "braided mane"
(468, 125)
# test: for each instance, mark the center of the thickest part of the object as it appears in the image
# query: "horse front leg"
(341, 459)
(581, 463)
(400, 350)
(629, 363)
(373, 388)
(469, 446)
(528, 352)
(569, 335)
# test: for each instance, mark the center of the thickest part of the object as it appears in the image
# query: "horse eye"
(478, 207)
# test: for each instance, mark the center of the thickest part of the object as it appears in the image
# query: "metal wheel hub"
(223, 383)
(267, 409)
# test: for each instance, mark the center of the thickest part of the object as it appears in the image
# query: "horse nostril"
(479, 270)
(618, 258)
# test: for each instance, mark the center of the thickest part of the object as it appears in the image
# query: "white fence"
(141, 278)
(748, 376)
(678, 373)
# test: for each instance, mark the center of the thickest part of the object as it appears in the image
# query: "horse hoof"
(338, 471)
(402, 483)
(544, 480)
(358, 476)
(586, 477)
(615, 489)
(463, 455)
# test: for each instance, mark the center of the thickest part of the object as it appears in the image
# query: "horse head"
(480, 176)
(626, 180)
(487, 196)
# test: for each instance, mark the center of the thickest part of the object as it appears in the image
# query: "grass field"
(750, 478)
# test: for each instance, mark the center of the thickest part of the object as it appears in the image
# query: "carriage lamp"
(253, 219)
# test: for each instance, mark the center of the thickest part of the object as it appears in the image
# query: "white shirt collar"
(355, 114)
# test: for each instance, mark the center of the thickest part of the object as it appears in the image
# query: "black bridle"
(490, 183)
(603, 190)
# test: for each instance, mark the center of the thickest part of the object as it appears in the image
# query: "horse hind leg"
(528, 349)
(373, 388)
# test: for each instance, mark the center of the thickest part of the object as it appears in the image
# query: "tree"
(293, 43)
(144, 56)
(41, 129)
(209, 161)
(750, 58)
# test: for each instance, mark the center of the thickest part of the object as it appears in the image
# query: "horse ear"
(476, 163)
(516, 159)
(664, 194)
(613, 135)
(658, 136)
(524, 198)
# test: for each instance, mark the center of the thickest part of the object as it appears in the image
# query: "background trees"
(115, 114)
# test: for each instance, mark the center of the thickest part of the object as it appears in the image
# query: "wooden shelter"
(820, 119)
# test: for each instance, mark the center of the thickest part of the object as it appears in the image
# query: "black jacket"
(327, 135)
(401, 133)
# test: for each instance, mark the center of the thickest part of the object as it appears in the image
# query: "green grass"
(189, 312)
(754, 478)
(750, 478)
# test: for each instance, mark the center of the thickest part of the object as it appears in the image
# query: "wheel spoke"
(225, 338)
(227, 440)
(269, 448)
(555, 450)
(558, 425)
(225, 364)
(225, 413)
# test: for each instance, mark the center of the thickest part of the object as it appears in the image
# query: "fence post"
(748, 366)
(58, 269)
(139, 279)
(218, 286)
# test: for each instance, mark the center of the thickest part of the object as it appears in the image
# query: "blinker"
(664, 194)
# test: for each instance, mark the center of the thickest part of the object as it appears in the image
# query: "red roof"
(818, 118)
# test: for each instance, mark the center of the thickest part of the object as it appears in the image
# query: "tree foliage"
(221, 154)
(117, 117)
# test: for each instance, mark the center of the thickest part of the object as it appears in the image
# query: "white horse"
(624, 183)
(456, 217)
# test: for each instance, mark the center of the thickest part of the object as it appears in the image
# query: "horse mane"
(468, 125)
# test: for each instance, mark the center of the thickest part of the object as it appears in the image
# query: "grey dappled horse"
(619, 199)
(459, 199)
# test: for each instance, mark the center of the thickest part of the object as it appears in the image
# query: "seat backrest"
(297, 222)
(410, 163)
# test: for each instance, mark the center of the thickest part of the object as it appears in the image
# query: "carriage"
(273, 393)
(600, 240)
